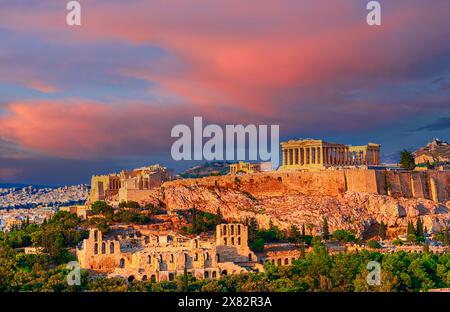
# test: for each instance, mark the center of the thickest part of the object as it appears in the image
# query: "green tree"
(325, 229)
(419, 228)
(294, 235)
(343, 236)
(382, 230)
(102, 207)
(411, 230)
(373, 244)
(407, 160)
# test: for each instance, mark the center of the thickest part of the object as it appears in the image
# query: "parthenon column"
(339, 155)
(329, 156)
(336, 156)
(319, 155)
(310, 156)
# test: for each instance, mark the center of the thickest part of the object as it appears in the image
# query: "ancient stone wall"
(434, 185)
(133, 194)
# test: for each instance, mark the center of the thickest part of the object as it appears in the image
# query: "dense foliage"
(200, 221)
(315, 271)
(407, 160)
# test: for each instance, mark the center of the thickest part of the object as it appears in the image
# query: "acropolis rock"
(349, 199)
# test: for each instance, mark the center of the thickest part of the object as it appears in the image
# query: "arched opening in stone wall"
(196, 257)
(103, 248)
(232, 229)
(171, 276)
(214, 274)
(286, 261)
(250, 257)
(217, 258)
(232, 241)
(239, 229)
(206, 274)
(95, 248)
(225, 241)
(130, 278)
(224, 272)
(279, 262)
(122, 263)
(144, 278)
(224, 230)
(207, 256)
(111, 248)
(95, 235)
(171, 258)
(239, 240)
(149, 259)
(195, 243)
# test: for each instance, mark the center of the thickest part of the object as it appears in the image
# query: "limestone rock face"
(351, 210)
(350, 199)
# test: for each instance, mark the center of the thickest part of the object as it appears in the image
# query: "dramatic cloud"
(115, 86)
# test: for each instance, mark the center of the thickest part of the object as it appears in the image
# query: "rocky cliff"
(348, 201)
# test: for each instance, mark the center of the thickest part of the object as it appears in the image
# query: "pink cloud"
(83, 129)
(242, 61)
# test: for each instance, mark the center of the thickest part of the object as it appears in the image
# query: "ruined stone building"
(128, 184)
(318, 154)
(245, 167)
(163, 256)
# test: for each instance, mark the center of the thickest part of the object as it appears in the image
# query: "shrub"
(374, 244)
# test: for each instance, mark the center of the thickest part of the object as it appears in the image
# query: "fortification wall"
(134, 195)
(434, 185)
(99, 186)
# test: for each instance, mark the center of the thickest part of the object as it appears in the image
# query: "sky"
(104, 96)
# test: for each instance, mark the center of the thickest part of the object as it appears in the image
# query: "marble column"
(310, 156)
(319, 155)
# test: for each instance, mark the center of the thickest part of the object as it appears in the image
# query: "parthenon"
(318, 154)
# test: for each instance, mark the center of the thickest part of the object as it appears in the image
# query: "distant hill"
(437, 151)
(207, 169)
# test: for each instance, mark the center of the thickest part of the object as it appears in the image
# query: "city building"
(318, 154)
